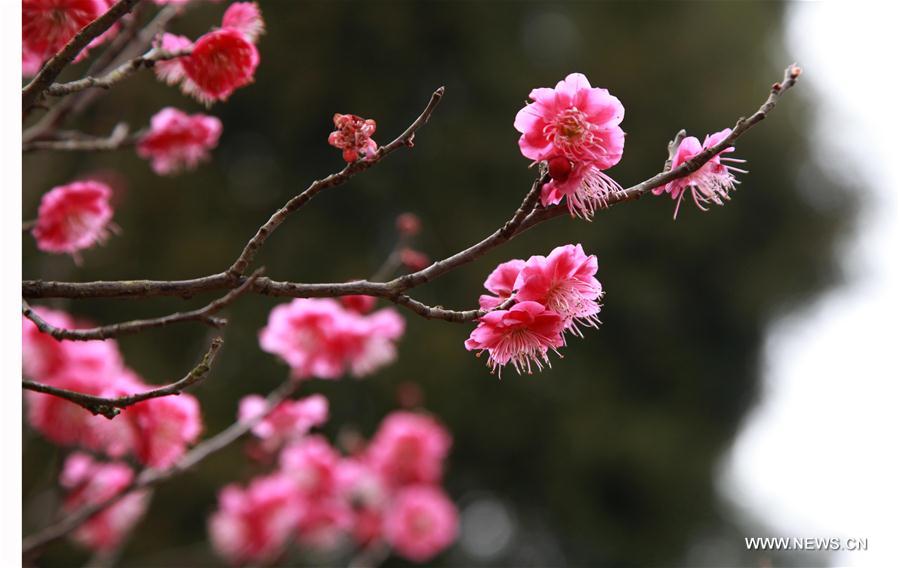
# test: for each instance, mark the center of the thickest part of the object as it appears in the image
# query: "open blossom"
(289, 421)
(712, 182)
(48, 25)
(584, 187)
(565, 282)
(312, 463)
(319, 338)
(89, 482)
(178, 141)
(521, 335)
(421, 523)
(409, 448)
(221, 61)
(353, 136)
(165, 427)
(502, 283)
(73, 217)
(575, 121)
(253, 525)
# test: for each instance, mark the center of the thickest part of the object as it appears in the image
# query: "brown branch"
(405, 139)
(61, 60)
(152, 477)
(110, 407)
(118, 138)
(118, 74)
(204, 315)
(527, 216)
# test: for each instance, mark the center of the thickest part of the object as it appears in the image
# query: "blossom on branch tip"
(521, 335)
(73, 217)
(574, 121)
(353, 136)
(711, 183)
(178, 141)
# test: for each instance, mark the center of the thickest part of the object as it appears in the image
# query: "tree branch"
(110, 407)
(61, 60)
(405, 139)
(204, 314)
(118, 138)
(118, 74)
(152, 477)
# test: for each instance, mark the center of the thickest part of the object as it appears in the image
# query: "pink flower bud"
(408, 224)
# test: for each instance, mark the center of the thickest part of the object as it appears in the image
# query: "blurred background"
(624, 453)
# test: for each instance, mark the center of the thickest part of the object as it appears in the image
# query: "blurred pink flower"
(171, 71)
(178, 141)
(575, 121)
(565, 282)
(711, 183)
(165, 427)
(289, 421)
(73, 217)
(246, 18)
(353, 136)
(521, 335)
(408, 224)
(221, 62)
(254, 525)
(312, 464)
(89, 482)
(421, 523)
(409, 448)
(48, 25)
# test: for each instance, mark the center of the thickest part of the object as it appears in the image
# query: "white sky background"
(818, 457)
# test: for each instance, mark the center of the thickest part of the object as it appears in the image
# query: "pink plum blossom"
(48, 25)
(409, 448)
(502, 283)
(90, 482)
(565, 282)
(246, 18)
(312, 463)
(421, 523)
(171, 71)
(574, 121)
(521, 335)
(165, 427)
(584, 187)
(353, 136)
(254, 525)
(178, 141)
(712, 183)
(289, 421)
(42, 355)
(73, 217)
(319, 338)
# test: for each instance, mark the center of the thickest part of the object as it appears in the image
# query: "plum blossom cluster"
(220, 61)
(48, 25)
(320, 338)
(711, 183)
(73, 217)
(573, 129)
(156, 432)
(533, 304)
(384, 493)
(87, 481)
(178, 141)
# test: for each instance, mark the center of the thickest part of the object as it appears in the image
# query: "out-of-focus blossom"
(170, 71)
(289, 421)
(358, 303)
(165, 426)
(48, 25)
(246, 18)
(414, 260)
(575, 121)
(178, 141)
(73, 217)
(408, 224)
(409, 448)
(564, 282)
(89, 482)
(421, 523)
(312, 463)
(353, 136)
(521, 335)
(254, 525)
(712, 183)
(319, 338)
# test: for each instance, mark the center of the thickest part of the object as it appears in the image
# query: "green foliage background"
(610, 458)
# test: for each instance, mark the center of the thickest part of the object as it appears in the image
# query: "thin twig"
(55, 66)
(118, 74)
(204, 315)
(152, 477)
(405, 139)
(110, 407)
(117, 139)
